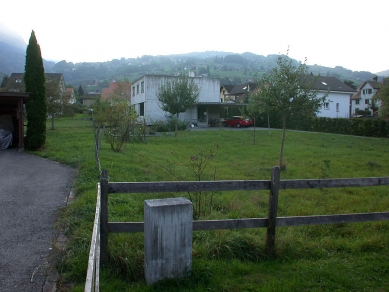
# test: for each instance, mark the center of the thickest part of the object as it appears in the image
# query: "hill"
(231, 68)
(13, 53)
(383, 73)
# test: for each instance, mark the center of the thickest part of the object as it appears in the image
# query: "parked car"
(238, 121)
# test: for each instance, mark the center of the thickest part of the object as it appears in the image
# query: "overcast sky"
(352, 34)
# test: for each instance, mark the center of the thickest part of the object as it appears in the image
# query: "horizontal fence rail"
(187, 186)
(274, 185)
(241, 185)
(133, 227)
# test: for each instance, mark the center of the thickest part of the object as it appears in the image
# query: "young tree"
(289, 90)
(383, 96)
(118, 117)
(5, 80)
(36, 107)
(178, 95)
(55, 102)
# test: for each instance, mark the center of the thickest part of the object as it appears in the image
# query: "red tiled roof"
(107, 92)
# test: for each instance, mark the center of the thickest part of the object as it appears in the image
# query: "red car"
(238, 121)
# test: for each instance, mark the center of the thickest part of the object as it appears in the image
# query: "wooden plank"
(104, 217)
(334, 183)
(132, 227)
(273, 208)
(188, 186)
(332, 219)
(97, 277)
(92, 277)
(239, 185)
(229, 224)
(125, 227)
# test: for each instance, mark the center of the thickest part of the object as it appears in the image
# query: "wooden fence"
(270, 223)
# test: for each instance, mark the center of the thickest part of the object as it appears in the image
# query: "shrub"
(169, 125)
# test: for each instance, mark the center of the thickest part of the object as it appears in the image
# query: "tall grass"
(338, 257)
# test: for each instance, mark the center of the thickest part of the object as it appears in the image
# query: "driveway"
(32, 191)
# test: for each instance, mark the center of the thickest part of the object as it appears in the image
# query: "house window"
(367, 101)
(137, 88)
(18, 80)
(337, 107)
(142, 109)
(133, 91)
(357, 101)
(142, 87)
(326, 105)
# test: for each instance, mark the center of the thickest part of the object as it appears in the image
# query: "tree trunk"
(268, 123)
(144, 130)
(254, 132)
(52, 121)
(176, 131)
(282, 167)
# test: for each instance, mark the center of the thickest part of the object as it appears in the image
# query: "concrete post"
(168, 225)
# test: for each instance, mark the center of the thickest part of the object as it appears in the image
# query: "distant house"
(362, 100)
(69, 95)
(224, 91)
(337, 103)
(117, 89)
(240, 91)
(15, 83)
(144, 99)
(88, 99)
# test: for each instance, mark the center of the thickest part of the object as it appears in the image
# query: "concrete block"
(168, 225)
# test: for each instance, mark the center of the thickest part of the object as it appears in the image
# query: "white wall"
(334, 98)
(209, 92)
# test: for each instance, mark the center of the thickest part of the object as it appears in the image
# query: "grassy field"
(339, 257)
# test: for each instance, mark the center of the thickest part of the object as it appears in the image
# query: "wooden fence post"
(168, 227)
(104, 217)
(273, 208)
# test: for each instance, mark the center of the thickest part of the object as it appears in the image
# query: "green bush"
(369, 127)
(169, 125)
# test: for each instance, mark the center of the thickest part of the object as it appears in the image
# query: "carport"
(12, 104)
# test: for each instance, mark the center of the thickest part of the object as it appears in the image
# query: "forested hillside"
(229, 67)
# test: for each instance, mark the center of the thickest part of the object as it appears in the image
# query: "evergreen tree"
(36, 107)
(80, 91)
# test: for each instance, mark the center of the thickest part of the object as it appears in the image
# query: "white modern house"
(144, 99)
(337, 103)
(362, 100)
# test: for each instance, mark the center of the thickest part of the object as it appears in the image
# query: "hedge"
(369, 127)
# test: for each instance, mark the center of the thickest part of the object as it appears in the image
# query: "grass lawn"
(338, 257)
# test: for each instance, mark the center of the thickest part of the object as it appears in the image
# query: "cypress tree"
(36, 107)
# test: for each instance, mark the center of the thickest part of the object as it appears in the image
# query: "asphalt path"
(32, 192)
